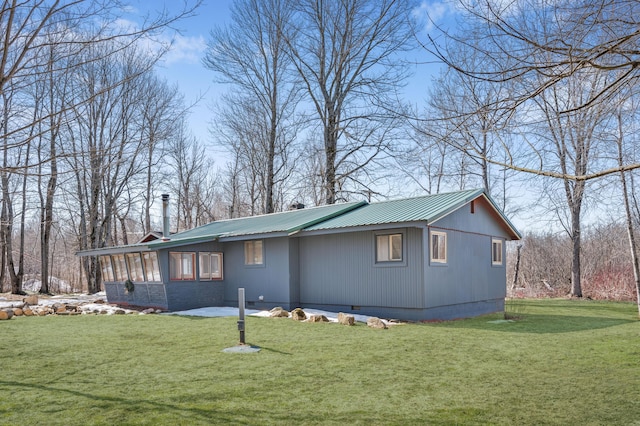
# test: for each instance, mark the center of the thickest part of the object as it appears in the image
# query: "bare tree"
(567, 142)
(161, 118)
(630, 109)
(105, 148)
(251, 55)
(40, 40)
(191, 180)
(346, 56)
(535, 45)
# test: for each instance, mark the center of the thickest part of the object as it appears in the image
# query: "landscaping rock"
(31, 299)
(298, 314)
(375, 322)
(317, 318)
(278, 312)
(346, 319)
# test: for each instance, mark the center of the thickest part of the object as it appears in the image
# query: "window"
(151, 269)
(119, 267)
(210, 266)
(389, 248)
(107, 269)
(181, 266)
(134, 262)
(438, 247)
(253, 253)
(496, 252)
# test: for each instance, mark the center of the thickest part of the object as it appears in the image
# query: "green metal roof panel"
(427, 208)
(284, 222)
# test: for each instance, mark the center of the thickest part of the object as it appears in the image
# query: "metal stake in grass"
(241, 314)
(242, 347)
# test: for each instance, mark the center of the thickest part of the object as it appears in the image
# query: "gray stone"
(298, 314)
(31, 299)
(278, 312)
(375, 322)
(346, 319)
(318, 318)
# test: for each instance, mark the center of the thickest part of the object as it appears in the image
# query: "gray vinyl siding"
(294, 273)
(480, 222)
(340, 269)
(270, 280)
(468, 276)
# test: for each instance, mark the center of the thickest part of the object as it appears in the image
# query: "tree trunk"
(633, 247)
(330, 148)
(575, 204)
(517, 267)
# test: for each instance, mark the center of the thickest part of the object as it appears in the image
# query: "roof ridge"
(282, 212)
(393, 200)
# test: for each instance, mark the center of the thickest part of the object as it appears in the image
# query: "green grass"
(562, 362)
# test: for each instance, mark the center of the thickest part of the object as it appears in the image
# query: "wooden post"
(241, 314)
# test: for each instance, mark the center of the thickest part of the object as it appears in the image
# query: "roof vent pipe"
(165, 217)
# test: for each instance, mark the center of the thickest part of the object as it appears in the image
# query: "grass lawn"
(562, 362)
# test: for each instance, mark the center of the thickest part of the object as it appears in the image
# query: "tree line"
(536, 102)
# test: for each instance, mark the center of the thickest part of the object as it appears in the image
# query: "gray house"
(432, 257)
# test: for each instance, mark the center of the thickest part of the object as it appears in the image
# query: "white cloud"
(433, 13)
(186, 50)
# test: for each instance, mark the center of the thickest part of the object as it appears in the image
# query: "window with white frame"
(181, 266)
(253, 254)
(438, 247)
(496, 252)
(210, 266)
(389, 248)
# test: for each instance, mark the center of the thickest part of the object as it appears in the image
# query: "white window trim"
(431, 251)
(498, 242)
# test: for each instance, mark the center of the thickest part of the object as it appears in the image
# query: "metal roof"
(429, 208)
(284, 222)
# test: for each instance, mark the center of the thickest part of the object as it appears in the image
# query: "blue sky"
(183, 64)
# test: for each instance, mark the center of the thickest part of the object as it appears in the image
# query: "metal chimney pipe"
(165, 217)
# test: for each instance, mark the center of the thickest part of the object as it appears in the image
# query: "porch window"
(496, 252)
(151, 268)
(119, 267)
(389, 248)
(210, 266)
(134, 262)
(181, 266)
(253, 254)
(107, 269)
(438, 247)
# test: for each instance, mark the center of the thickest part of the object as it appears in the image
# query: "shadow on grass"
(133, 405)
(264, 348)
(543, 324)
